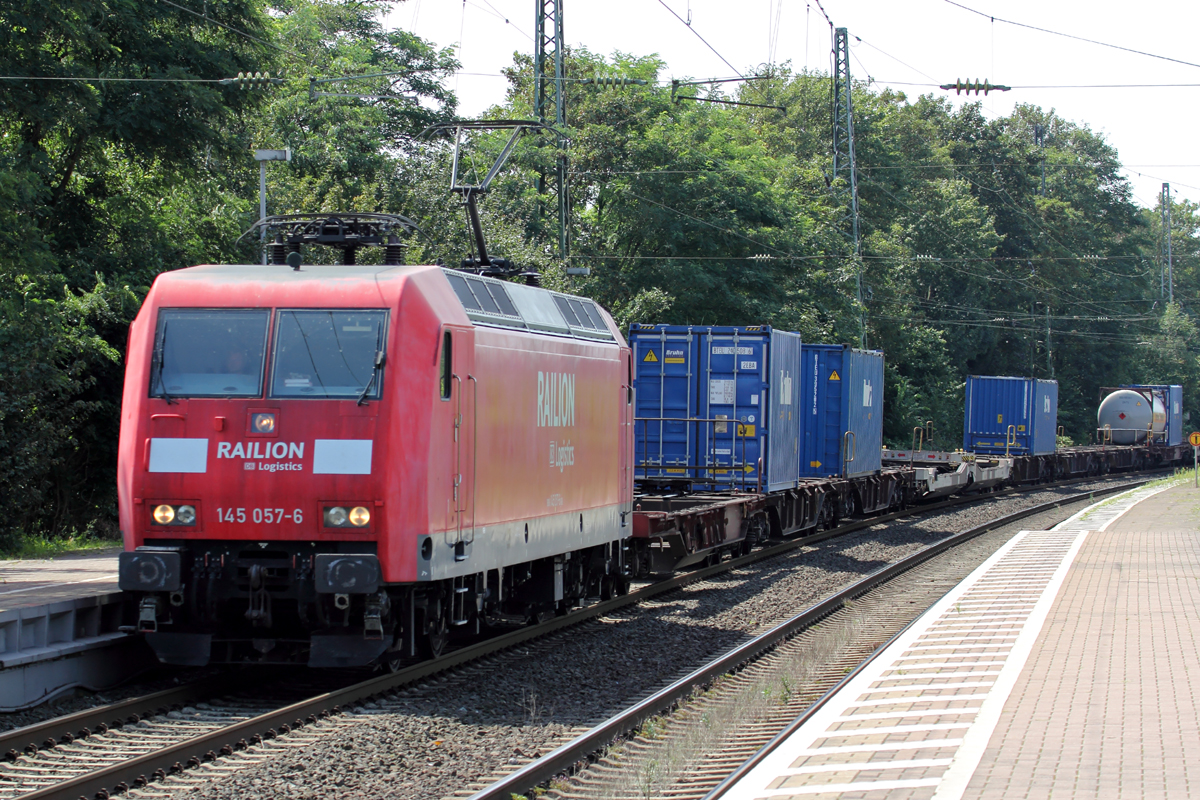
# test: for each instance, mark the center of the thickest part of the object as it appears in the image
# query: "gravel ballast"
(438, 738)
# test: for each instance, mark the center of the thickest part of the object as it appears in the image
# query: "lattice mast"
(844, 166)
(1168, 268)
(549, 103)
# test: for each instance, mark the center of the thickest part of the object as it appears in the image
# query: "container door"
(999, 414)
(665, 402)
(822, 411)
(731, 387)
(1045, 418)
(863, 434)
(782, 462)
(1175, 415)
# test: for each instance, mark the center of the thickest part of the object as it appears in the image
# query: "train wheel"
(848, 505)
(393, 659)
(436, 634)
(828, 516)
(612, 586)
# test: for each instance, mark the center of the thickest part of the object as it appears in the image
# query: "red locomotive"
(339, 464)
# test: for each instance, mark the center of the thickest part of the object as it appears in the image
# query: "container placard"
(721, 392)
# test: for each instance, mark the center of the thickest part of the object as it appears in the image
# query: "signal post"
(1194, 439)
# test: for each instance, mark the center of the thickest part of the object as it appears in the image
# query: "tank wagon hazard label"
(556, 409)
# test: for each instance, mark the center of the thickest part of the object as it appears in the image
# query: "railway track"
(129, 745)
(750, 686)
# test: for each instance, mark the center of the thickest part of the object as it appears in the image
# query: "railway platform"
(1065, 666)
(59, 627)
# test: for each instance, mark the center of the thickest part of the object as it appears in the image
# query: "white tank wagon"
(1126, 417)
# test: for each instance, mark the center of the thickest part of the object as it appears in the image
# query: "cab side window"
(447, 365)
(629, 379)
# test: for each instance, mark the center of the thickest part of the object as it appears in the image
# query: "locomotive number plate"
(259, 515)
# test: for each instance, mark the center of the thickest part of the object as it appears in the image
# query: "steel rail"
(581, 748)
(62, 730)
(194, 751)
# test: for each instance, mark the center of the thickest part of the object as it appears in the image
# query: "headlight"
(263, 423)
(335, 517)
(359, 516)
(174, 515)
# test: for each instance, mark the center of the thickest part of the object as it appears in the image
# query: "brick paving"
(1064, 667)
(1108, 704)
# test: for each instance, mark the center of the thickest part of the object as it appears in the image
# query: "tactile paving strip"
(915, 722)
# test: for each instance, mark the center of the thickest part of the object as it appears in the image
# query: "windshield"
(209, 353)
(328, 353)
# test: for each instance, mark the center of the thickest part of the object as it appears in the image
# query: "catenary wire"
(701, 38)
(238, 32)
(995, 19)
(496, 13)
(893, 58)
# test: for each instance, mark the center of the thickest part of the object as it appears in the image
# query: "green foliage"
(57, 405)
(106, 184)
(685, 212)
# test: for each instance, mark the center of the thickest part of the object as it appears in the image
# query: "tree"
(138, 162)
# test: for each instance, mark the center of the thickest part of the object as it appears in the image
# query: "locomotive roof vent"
(513, 305)
(348, 232)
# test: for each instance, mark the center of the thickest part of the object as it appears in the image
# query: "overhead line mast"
(843, 155)
(1166, 226)
(549, 104)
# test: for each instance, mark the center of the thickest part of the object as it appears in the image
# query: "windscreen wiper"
(377, 365)
(156, 369)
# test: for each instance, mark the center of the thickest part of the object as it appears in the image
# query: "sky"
(896, 43)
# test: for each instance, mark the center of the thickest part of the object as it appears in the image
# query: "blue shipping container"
(842, 401)
(1172, 399)
(715, 405)
(1018, 416)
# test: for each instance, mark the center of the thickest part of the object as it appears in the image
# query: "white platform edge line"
(817, 727)
(958, 775)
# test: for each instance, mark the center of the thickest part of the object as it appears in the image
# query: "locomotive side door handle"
(474, 445)
(457, 459)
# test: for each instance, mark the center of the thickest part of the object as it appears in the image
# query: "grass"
(667, 752)
(22, 545)
(1178, 476)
